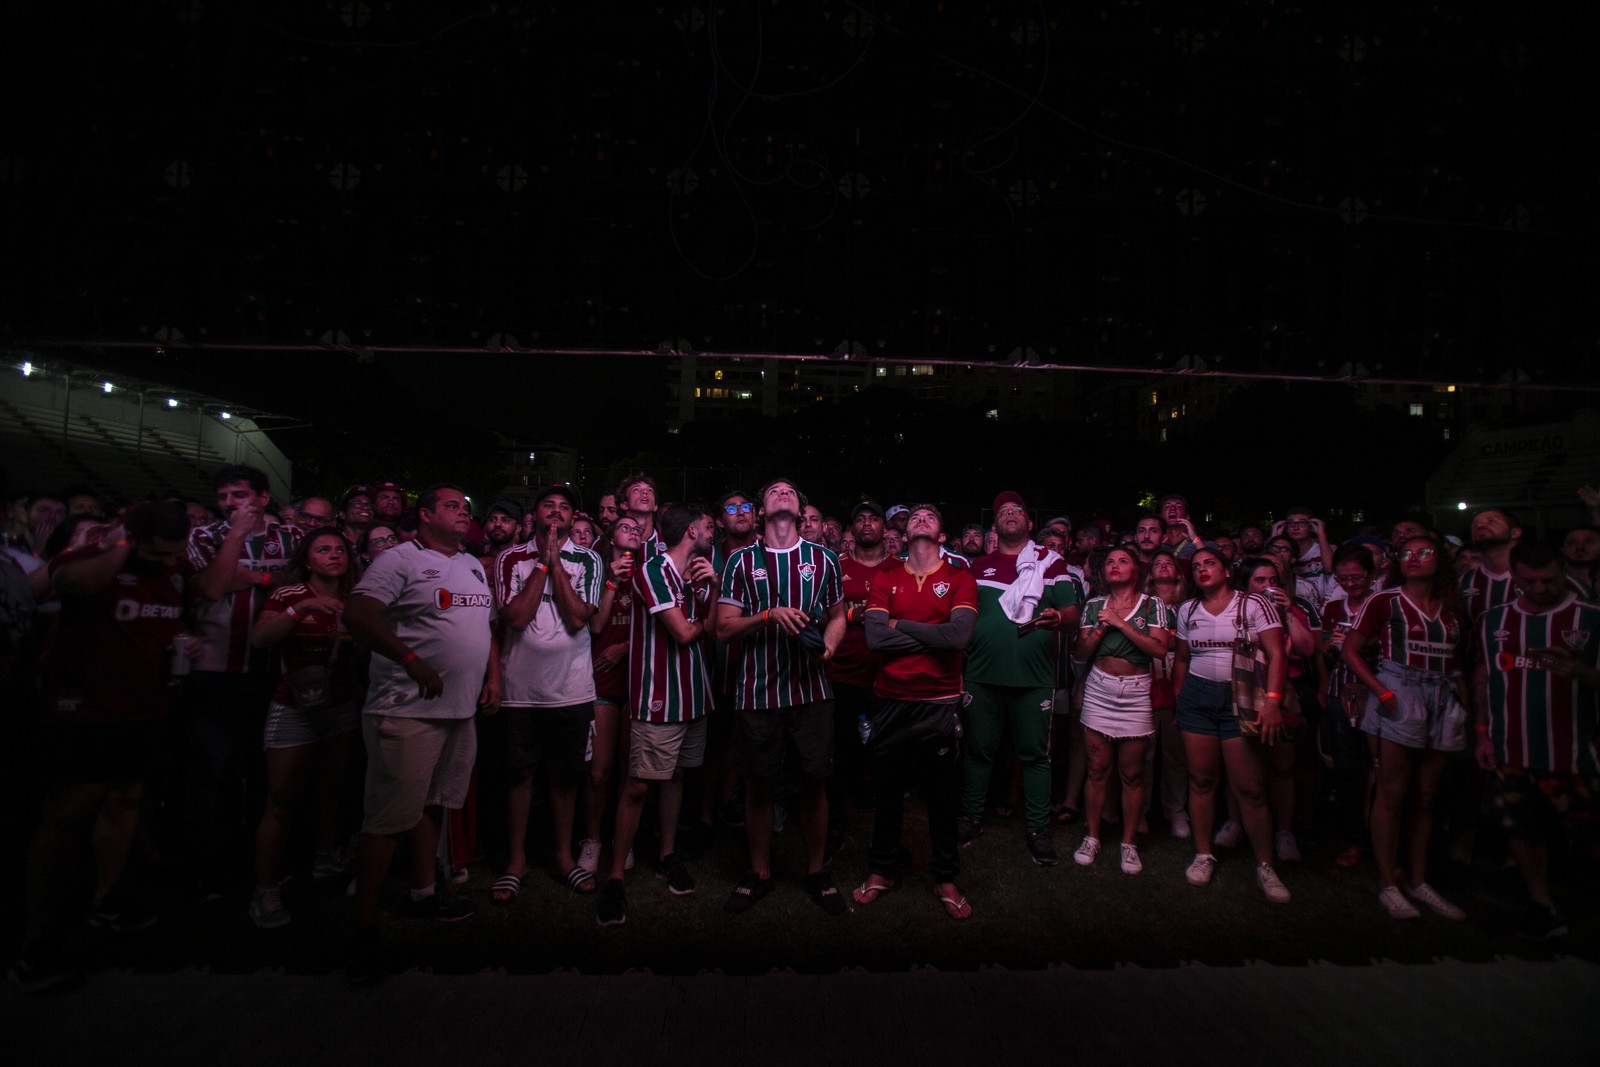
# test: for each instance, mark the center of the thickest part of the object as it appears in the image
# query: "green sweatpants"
(1025, 713)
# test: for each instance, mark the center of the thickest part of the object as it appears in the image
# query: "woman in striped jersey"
(1416, 715)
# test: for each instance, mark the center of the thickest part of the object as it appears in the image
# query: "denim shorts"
(1206, 707)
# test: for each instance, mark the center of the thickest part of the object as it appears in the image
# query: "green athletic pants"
(1024, 713)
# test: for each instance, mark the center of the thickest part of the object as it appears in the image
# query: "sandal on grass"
(866, 892)
(826, 894)
(506, 888)
(955, 905)
(579, 881)
(751, 888)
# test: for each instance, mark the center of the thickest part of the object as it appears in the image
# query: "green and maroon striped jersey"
(773, 669)
(1539, 719)
(667, 681)
(1407, 635)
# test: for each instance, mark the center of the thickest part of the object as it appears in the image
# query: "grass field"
(1024, 917)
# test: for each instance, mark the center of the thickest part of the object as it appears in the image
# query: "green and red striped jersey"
(1539, 719)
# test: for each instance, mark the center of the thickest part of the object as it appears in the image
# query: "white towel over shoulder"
(1021, 601)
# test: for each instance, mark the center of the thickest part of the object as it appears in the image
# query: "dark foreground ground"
(1059, 962)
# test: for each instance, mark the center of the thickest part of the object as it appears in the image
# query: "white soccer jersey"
(441, 607)
(545, 665)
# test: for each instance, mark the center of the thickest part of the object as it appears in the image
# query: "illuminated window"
(1174, 414)
(920, 369)
(1154, 398)
(1415, 410)
(718, 376)
(883, 372)
(992, 413)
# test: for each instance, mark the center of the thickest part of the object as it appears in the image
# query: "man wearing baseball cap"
(500, 528)
(388, 501)
(547, 590)
(355, 512)
(1011, 674)
(854, 667)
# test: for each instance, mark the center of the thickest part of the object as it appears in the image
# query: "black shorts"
(115, 752)
(800, 736)
(559, 736)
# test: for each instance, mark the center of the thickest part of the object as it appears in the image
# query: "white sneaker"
(1229, 835)
(1396, 904)
(1130, 859)
(1287, 848)
(1199, 872)
(1426, 894)
(1271, 887)
(1180, 826)
(589, 855)
(266, 908)
(1087, 851)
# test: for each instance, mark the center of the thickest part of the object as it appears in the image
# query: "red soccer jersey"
(612, 684)
(317, 640)
(854, 663)
(1407, 636)
(930, 674)
(107, 659)
(1539, 719)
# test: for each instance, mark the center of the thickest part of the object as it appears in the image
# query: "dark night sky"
(1272, 186)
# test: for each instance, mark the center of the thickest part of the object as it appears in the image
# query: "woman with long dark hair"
(1415, 715)
(312, 720)
(1165, 581)
(1208, 625)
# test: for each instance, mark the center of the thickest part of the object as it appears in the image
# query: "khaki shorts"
(657, 749)
(413, 764)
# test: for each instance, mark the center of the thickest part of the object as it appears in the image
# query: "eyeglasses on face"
(739, 509)
(624, 527)
(375, 542)
(1416, 553)
(1010, 509)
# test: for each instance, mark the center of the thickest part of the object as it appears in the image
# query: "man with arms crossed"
(922, 614)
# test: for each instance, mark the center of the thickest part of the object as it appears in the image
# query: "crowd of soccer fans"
(311, 689)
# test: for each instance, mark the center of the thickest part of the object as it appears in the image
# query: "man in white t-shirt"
(425, 610)
(547, 589)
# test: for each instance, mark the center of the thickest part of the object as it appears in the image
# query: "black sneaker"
(438, 905)
(826, 894)
(613, 907)
(747, 893)
(680, 883)
(968, 830)
(1040, 848)
(1540, 923)
(40, 971)
(123, 912)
